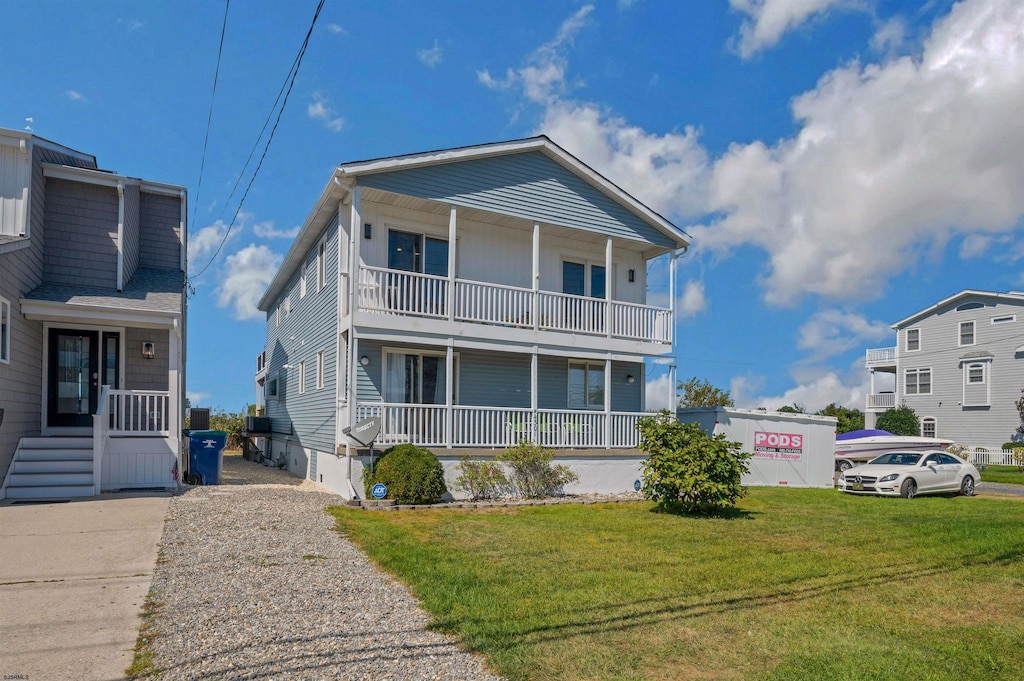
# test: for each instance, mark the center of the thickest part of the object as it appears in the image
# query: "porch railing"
(409, 293)
(140, 412)
(881, 401)
(427, 425)
(881, 356)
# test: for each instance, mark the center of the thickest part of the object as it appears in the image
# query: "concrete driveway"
(73, 578)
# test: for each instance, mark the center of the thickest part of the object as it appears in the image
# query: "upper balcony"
(393, 292)
(878, 358)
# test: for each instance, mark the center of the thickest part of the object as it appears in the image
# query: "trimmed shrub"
(413, 475)
(688, 471)
(899, 421)
(481, 479)
(531, 472)
(1013, 445)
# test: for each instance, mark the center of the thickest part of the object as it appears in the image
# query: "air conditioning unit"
(257, 424)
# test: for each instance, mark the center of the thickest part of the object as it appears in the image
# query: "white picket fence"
(981, 456)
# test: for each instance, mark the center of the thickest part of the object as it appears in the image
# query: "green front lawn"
(1009, 474)
(799, 584)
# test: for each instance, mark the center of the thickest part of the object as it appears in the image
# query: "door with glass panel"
(586, 312)
(417, 381)
(417, 254)
(72, 377)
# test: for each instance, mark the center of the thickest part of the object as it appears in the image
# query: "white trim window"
(302, 281)
(966, 333)
(977, 386)
(929, 427)
(976, 374)
(277, 315)
(417, 376)
(917, 382)
(320, 370)
(321, 266)
(913, 340)
(5, 331)
(1005, 319)
(302, 377)
(273, 388)
(585, 385)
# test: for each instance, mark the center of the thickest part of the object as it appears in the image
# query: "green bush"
(688, 471)
(481, 479)
(531, 473)
(899, 421)
(1013, 445)
(413, 475)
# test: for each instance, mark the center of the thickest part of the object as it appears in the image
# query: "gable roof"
(1015, 296)
(347, 175)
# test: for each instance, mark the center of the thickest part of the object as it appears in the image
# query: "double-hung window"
(976, 373)
(5, 331)
(917, 382)
(928, 427)
(913, 340)
(966, 333)
(586, 385)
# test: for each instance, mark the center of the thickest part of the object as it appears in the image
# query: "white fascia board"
(47, 310)
(164, 188)
(98, 177)
(967, 293)
(308, 235)
(7, 136)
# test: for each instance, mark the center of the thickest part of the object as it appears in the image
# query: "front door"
(73, 377)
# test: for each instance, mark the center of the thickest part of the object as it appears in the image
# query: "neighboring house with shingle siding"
(92, 324)
(469, 298)
(960, 365)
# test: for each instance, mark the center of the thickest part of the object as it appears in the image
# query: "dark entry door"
(73, 377)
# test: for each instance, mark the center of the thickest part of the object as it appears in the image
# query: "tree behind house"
(700, 393)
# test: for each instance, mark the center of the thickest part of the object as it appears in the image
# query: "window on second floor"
(272, 388)
(917, 382)
(966, 333)
(302, 281)
(302, 377)
(976, 374)
(913, 340)
(321, 265)
(320, 370)
(5, 331)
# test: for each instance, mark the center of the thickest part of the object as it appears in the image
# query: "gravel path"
(986, 488)
(255, 583)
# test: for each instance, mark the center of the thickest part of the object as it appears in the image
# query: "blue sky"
(840, 163)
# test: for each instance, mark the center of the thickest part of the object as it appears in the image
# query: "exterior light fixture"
(148, 349)
(630, 379)
(364, 360)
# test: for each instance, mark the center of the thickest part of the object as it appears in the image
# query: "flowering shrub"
(481, 479)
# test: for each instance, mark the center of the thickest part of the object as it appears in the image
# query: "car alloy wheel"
(967, 486)
(908, 490)
(845, 466)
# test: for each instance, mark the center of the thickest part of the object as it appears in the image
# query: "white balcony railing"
(881, 401)
(140, 413)
(427, 425)
(394, 292)
(882, 356)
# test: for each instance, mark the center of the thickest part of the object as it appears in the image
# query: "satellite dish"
(364, 432)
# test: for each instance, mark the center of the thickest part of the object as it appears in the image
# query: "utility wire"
(291, 83)
(209, 117)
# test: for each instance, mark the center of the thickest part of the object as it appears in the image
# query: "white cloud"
(196, 397)
(656, 393)
(832, 332)
(767, 20)
(245, 276)
(267, 230)
(431, 56)
(692, 301)
(320, 110)
(132, 25)
(203, 243)
(542, 78)
(337, 29)
(624, 5)
(814, 392)
(890, 36)
(75, 96)
(890, 161)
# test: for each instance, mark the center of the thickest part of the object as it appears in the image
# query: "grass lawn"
(1008, 474)
(799, 584)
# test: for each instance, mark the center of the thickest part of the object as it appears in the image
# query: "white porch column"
(175, 418)
(871, 372)
(535, 307)
(355, 225)
(535, 436)
(450, 298)
(608, 288)
(449, 383)
(608, 395)
(672, 300)
(353, 359)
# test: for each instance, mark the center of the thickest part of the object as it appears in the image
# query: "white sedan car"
(907, 474)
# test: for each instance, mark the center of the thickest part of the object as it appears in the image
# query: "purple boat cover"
(856, 434)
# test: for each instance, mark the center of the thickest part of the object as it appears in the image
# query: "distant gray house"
(92, 324)
(470, 298)
(960, 365)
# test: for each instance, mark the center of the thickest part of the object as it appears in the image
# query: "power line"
(296, 64)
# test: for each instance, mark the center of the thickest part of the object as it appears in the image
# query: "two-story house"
(469, 298)
(92, 324)
(960, 365)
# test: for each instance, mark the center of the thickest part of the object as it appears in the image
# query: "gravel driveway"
(253, 582)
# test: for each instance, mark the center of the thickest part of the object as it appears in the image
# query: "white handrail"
(140, 412)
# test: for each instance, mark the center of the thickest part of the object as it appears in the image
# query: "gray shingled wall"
(141, 373)
(160, 231)
(81, 227)
(131, 231)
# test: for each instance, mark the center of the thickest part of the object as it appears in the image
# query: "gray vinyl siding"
(81, 226)
(369, 381)
(310, 327)
(131, 231)
(160, 231)
(980, 425)
(141, 373)
(528, 185)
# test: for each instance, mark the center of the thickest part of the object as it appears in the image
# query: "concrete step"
(56, 442)
(48, 454)
(53, 466)
(59, 479)
(58, 492)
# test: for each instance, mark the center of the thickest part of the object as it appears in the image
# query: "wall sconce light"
(630, 379)
(364, 360)
(148, 349)
(367, 231)
(632, 276)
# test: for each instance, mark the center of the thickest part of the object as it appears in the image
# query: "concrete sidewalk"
(73, 578)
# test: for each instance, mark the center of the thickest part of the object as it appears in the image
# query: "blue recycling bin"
(206, 455)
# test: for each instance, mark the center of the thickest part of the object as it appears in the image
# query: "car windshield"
(896, 459)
